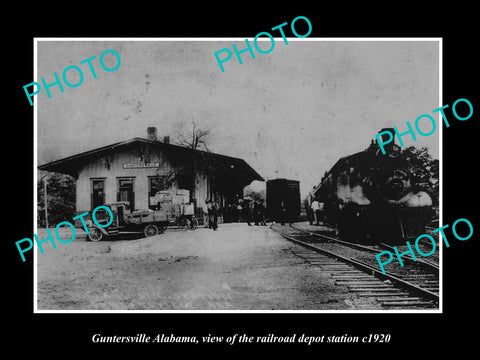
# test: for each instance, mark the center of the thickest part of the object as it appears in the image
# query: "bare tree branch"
(197, 140)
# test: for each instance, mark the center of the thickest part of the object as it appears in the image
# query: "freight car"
(283, 200)
(371, 197)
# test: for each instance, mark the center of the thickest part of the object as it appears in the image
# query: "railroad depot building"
(135, 170)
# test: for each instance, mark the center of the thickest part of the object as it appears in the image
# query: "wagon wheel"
(95, 234)
(150, 230)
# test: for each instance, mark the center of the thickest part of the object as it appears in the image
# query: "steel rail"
(353, 245)
(366, 248)
(427, 264)
(366, 268)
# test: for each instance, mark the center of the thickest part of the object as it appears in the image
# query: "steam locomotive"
(370, 197)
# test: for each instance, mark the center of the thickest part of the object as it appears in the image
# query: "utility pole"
(45, 198)
(46, 202)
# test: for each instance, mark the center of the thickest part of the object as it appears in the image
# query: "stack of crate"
(183, 194)
(174, 203)
(170, 210)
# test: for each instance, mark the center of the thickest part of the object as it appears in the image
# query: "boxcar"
(286, 191)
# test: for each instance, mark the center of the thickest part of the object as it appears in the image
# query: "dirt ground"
(235, 268)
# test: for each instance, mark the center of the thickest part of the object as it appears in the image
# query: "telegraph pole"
(45, 198)
(46, 202)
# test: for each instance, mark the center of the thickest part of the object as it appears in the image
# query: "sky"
(291, 113)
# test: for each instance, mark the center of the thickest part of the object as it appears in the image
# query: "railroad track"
(422, 273)
(355, 266)
(426, 245)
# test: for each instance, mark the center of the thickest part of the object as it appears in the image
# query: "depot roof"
(221, 163)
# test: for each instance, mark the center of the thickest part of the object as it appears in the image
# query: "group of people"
(232, 212)
(254, 212)
(250, 211)
(245, 210)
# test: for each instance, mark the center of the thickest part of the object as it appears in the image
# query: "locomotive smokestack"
(386, 138)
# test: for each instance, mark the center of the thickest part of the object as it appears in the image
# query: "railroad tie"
(391, 293)
(372, 289)
(398, 298)
(406, 303)
(352, 277)
(363, 283)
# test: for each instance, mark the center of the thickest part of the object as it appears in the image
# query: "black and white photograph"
(269, 186)
(221, 179)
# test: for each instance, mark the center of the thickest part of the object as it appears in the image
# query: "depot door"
(126, 192)
(97, 193)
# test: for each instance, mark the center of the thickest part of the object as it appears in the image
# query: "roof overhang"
(226, 165)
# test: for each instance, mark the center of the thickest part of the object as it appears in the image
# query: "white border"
(440, 99)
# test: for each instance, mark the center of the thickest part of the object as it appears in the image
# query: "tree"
(185, 165)
(255, 192)
(61, 198)
(196, 140)
(424, 170)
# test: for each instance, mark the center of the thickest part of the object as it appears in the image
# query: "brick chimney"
(152, 133)
(166, 139)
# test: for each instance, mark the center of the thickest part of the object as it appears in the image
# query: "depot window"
(97, 192)
(155, 184)
(126, 191)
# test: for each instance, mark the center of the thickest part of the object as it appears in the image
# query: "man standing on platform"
(316, 211)
(205, 214)
(212, 214)
(247, 212)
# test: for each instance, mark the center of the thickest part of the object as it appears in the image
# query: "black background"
(410, 333)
